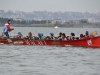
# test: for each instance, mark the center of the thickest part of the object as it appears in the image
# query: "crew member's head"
(63, 35)
(87, 33)
(60, 33)
(9, 21)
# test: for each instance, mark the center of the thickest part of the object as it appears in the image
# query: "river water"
(48, 60)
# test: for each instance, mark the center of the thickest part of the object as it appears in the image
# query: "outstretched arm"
(9, 28)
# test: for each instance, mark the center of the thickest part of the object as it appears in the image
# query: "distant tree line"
(26, 22)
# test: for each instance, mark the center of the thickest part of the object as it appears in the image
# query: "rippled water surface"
(48, 60)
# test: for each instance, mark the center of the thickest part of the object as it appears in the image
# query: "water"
(48, 60)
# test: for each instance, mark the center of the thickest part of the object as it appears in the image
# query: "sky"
(92, 6)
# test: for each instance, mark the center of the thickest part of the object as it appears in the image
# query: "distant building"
(83, 21)
(91, 20)
(58, 20)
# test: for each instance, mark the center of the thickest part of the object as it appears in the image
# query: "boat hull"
(89, 42)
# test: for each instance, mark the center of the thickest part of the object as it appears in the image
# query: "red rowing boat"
(89, 42)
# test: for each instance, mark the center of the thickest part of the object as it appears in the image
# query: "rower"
(63, 36)
(68, 38)
(59, 37)
(7, 28)
(52, 36)
(81, 36)
(87, 34)
(40, 35)
(29, 36)
(19, 35)
(72, 36)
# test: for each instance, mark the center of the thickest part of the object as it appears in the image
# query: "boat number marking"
(89, 42)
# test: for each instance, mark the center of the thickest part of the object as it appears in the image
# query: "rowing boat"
(87, 42)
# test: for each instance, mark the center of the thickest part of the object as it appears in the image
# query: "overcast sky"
(92, 6)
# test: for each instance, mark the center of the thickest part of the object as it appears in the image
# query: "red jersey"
(8, 26)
